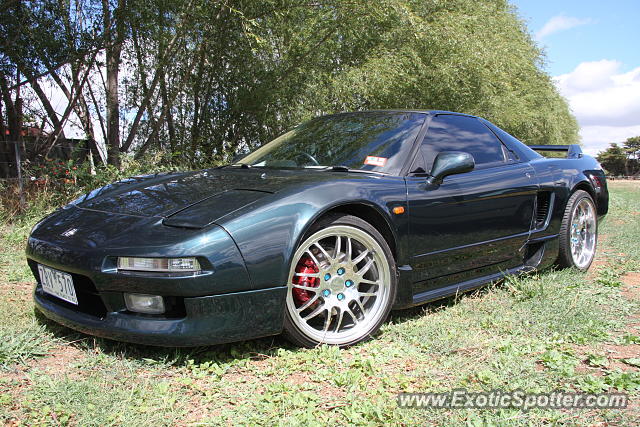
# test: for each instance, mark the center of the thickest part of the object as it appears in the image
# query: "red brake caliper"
(306, 266)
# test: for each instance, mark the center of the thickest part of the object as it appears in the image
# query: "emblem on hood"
(70, 232)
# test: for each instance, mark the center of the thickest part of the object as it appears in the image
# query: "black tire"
(293, 332)
(565, 257)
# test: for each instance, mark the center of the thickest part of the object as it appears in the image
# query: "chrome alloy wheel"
(344, 288)
(582, 235)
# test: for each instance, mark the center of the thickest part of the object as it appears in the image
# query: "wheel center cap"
(336, 286)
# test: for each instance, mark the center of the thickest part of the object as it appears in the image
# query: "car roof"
(402, 110)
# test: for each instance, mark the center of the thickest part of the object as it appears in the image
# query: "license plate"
(58, 284)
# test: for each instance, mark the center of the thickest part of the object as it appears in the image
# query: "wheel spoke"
(349, 249)
(361, 256)
(305, 288)
(338, 247)
(314, 313)
(319, 246)
(366, 268)
(307, 274)
(327, 320)
(339, 322)
(308, 303)
(312, 256)
(367, 294)
(369, 282)
(353, 316)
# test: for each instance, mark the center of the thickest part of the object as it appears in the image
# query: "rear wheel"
(579, 232)
(342, 283)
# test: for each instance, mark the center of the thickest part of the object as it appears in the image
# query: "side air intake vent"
(543, 205)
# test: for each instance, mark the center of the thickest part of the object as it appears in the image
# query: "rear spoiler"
(573, 151)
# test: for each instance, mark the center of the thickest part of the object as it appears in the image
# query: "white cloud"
(605, 102)
(588, 76)
(598, 138)
(560, 23)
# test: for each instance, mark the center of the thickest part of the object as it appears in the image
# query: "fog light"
(168, 265)
(141, 303)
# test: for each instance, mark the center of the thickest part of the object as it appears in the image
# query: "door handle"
(527, 174)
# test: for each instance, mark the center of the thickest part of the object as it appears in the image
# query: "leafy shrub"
(55, 183)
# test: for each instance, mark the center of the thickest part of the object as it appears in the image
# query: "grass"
(551, 330)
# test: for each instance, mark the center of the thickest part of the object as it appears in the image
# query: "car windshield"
(369, 141)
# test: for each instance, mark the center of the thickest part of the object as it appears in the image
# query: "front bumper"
(216, 306)
(209, 320)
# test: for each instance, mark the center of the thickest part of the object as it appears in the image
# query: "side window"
(461, 133)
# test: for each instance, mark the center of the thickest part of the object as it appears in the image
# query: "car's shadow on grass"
(255, 349)
(260, 348)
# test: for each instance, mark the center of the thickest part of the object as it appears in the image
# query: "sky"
(593, 53)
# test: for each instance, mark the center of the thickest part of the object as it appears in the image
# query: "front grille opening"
(175, 307)
(89, 300)
(543, 205)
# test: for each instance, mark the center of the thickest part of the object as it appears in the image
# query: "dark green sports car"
(319, 233)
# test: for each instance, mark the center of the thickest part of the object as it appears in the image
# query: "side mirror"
(450, 163)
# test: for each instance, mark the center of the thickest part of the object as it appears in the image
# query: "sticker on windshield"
(375, 161)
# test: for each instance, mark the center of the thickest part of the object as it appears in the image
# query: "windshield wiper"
(341, 168)
(242, 165)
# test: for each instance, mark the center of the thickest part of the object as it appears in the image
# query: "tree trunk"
(81, 108)
(167, 106)
(114, 39)
(100, 120)
(4, 147)
(168, 98)
(145, 104)
(13, 124)
(46, 104)
(77, 90)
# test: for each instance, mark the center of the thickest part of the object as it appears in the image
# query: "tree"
(614, 160)
(196, 81)
(39, 38)
(632, 148)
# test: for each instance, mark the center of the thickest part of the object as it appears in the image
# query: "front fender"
(269, 232)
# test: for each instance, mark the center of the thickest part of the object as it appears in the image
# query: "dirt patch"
(600, 260)
(18, 291)
(585, 368)
(298, 379)
(633, 408)
(623, 351)
(623, 183)
(597, 265)
(15, 384)
(631, 288)
(61, 361)
(632, 279)
(615, 353)
(333, 397)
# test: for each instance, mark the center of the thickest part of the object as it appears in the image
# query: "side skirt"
(457, 288)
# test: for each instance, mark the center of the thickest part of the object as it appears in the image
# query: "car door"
(472, 224)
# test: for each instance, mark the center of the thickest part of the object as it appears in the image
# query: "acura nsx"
(318, 233)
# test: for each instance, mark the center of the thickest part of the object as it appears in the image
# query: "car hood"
(164, 195)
